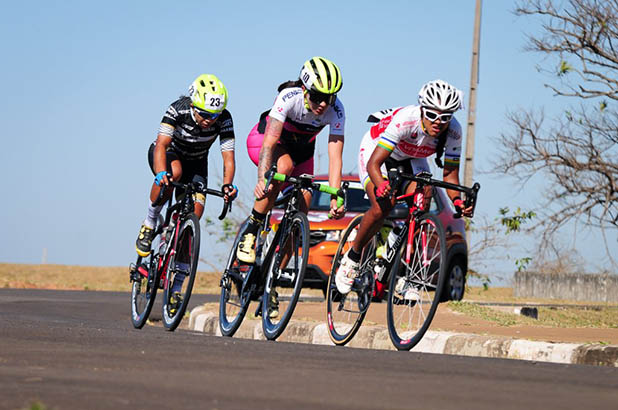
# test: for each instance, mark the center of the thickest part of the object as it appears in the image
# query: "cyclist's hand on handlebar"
(260, 189)
(336, 213)
(459, 208)
(162, 178)
(230, 191)
(384, 190)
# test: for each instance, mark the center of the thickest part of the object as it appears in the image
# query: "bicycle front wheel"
(345, 313)
(416, 284)
(233, 302)
(181, 273)
(285, 275)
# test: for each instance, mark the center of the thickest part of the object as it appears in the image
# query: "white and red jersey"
(401, 133)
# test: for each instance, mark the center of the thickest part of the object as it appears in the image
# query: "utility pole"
(474, 79)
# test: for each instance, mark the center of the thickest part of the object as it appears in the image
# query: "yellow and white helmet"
(208, 94)
(321, 75)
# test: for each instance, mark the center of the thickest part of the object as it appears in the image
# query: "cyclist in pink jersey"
(286, 136)
(405, 137)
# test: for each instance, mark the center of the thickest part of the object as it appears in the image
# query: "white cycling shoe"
(346, 273)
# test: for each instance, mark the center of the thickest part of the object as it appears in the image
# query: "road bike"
(276, 278)
(412, 262)
(174, 257)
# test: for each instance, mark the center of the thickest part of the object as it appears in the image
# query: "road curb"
(463, 344)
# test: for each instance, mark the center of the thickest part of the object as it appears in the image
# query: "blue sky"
(85, 85)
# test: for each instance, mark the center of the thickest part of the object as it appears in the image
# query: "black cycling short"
(192, 169)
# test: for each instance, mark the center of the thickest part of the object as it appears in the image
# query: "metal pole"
(474, 79)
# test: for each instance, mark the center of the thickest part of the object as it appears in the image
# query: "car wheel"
(455, 285)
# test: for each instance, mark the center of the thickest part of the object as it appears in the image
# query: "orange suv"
(325, 234)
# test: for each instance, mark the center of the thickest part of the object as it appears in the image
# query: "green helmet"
(208, 93)
(321, 75)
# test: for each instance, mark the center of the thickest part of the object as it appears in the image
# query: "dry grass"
(83, 278)
(574, 316)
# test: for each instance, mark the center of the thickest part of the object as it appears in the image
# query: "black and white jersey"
(188, 138)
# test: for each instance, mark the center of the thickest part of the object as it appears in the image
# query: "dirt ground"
(451, 321)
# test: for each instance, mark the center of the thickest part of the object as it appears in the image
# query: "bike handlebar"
(195, 187)
(306, 181)
(424, 178)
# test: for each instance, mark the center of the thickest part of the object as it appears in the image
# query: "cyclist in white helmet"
(404, 136)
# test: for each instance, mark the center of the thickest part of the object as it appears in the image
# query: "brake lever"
(269, 177)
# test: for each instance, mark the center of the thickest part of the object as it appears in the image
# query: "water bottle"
(392, 237)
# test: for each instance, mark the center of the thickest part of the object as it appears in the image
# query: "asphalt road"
(78, 350)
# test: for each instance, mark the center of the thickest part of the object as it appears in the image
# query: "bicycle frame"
(177, 212)
(417, 207)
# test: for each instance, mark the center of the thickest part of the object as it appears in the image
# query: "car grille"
(316, 237)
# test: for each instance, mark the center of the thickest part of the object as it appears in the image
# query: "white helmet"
(441, 96)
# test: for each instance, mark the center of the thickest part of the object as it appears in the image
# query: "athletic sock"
(255, 220)
(354, 256)
(153, 214)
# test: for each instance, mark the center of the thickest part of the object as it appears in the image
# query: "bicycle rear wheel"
(233, 302)
(182, 268)
(285, 276)
(415, 287)
(345, 313)
(143, 293)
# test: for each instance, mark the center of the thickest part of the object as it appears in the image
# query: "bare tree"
(576, 151)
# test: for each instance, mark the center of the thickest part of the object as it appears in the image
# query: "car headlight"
(333, 236)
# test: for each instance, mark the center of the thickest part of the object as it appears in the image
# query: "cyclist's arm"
(159, 157)
(229, 169)
(377, 158)
(335, 161)
(229, 166)
(451, 175)
(335, 165)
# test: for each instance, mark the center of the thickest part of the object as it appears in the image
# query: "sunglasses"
(434, 115)
(319, 98)
(207, 115)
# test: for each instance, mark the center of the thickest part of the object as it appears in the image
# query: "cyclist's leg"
(245, 251)
(196, 171)
(419, 165)
(145, 236)
(305, 167)
(193, 171)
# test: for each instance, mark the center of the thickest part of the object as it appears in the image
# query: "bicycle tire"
(233, 304)
(143, 301)
(296, 233)
(345, 313)
(144, 290)
(186, 247)
(408, 318)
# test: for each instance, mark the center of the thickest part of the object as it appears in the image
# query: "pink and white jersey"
(401, 133)
(300, 124)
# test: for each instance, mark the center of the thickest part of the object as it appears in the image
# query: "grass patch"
(566, 317)
(68, 277)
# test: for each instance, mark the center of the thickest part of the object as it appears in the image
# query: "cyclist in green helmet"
(286, 135)
(188, 129)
